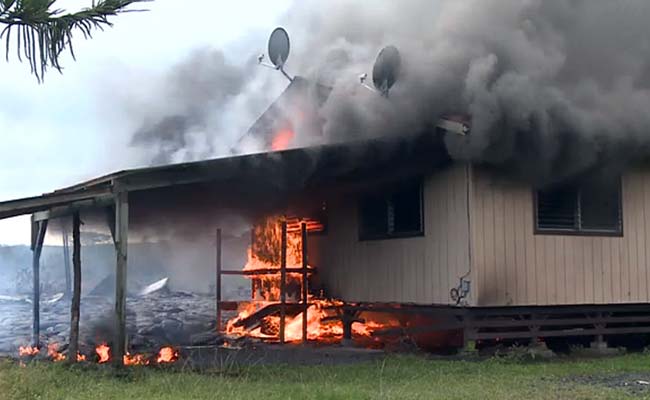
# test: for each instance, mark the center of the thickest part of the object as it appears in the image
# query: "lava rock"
(173, 330)
(206, 339)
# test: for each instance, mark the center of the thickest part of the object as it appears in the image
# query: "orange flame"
(28, 351)
(103, 352)
(167, 355)
(282, 140)
(136, 359)
(53, 352)
(263, 256)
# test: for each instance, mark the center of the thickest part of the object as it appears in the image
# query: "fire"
(282, 140)
(103, 352)
(55, 355)
(167, 355)
(136, 359)
(264, 258)
(28, 351)
(53, 352)
(316, 329)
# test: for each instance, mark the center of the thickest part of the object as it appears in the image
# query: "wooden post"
(121, 247)
(347, 319)
(73, 348)
(283, 280)
(253, 281)
(218, 283)
(36, 288)
(303, 230)
(38, 237)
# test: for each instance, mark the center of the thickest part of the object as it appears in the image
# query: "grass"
(396, 377)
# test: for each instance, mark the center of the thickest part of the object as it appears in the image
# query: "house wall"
(514, 266)
(410, 270)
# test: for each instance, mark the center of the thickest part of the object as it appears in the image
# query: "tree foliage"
(41, 32)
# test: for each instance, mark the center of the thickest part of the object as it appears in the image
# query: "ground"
(393, 377)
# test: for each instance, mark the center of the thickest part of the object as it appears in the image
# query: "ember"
(136, 359)
(28, 351)
(167, 355)
(103, 352)
(53, 352)
(282, 140)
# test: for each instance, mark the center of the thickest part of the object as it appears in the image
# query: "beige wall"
(513, 266)
(412, 270)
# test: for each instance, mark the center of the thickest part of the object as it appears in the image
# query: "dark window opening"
(396, 212)
(589, 208)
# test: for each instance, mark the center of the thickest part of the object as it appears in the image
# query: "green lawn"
(397, 377)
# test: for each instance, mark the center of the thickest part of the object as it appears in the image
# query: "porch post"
(305, 291)
(121, 247)
(283, 281)
(76, 289)
(38, 237)
(218, 282)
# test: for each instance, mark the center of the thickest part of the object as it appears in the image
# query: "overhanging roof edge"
(182, 173)
(30, 205)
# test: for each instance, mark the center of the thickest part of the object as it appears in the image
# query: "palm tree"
(42, 33)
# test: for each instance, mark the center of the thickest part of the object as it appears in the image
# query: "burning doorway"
(287, 304)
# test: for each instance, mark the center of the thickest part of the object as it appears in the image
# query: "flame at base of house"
(314, 318)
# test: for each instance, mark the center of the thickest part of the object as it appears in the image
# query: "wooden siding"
(514, 266)
(418, 270)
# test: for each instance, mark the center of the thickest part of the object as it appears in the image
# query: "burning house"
(379, 236)
(366, 239)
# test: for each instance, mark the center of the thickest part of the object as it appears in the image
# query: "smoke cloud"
(552, 89)
(200, 108)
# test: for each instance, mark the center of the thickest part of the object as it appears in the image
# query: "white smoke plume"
(552, 88)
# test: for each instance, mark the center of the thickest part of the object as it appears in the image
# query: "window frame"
(390, 191)
(580, 231)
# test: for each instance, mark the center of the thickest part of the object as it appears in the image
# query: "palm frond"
(42, 32)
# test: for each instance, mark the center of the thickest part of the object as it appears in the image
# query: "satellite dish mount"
(385, 71)
(279, 47)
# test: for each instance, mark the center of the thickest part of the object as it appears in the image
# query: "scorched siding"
(418, 270)
(514, 266)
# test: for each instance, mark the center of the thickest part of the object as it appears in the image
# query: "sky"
(75, 126)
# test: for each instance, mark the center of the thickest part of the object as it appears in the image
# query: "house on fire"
(407, 230)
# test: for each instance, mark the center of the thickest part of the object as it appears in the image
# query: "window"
(589, 208)
(396, 212)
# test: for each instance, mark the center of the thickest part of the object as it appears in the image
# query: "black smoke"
(199, 108)
(552, 88)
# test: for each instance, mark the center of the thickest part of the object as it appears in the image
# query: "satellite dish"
(279, 47)
(386, 69)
